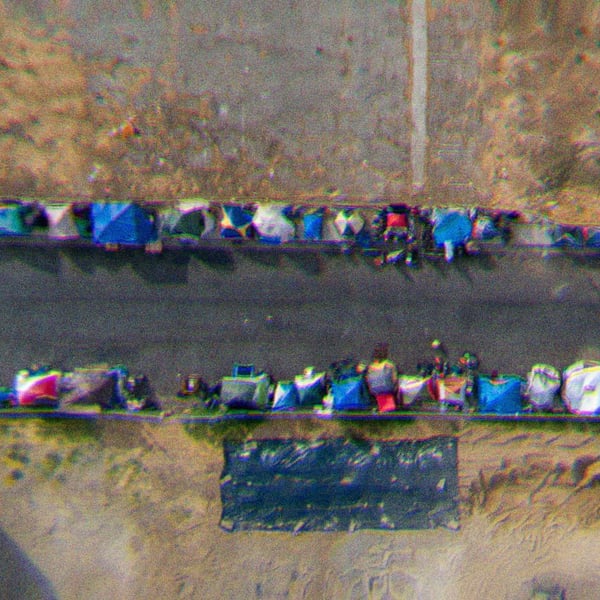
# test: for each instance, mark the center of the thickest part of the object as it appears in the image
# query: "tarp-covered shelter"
(93, 386)
(124, 223)
(412, 389)
(236, 221)
(581, 388)
(61, 222)
(272, 223)
(12, 218)
(310, 387)
(189, 219)
(37, 387)
(451, 225)
(501, 395)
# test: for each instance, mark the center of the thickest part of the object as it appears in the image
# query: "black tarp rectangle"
(340, 484)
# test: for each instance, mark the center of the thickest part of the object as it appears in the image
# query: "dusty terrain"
(133, 510)
(297, 102)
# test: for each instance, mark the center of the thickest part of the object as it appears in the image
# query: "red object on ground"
(396, 220)
(385, 402)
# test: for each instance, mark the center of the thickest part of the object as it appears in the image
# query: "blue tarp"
(122, 223)
(501, 395)
(340, 485)
(350, 394)
(451, 226)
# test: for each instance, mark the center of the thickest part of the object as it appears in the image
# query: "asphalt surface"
(200, 312)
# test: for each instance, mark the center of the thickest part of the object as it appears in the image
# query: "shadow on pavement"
(19, 577)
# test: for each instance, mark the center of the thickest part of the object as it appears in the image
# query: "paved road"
(180, 312)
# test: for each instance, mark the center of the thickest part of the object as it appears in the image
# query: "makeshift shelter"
(37, 387)
(543, 384)
(12, 219)
(592, 237)
(451, 228)
(310, 387)
(349, 222)
(98, 387)
(236, 221)
(568, 236)
(189, 219)
(501, 395)
(285, 396)
(451, 390)
(272, 224)
(245, 388)
(581, 388)
(312, 224)
(412, 389)
(350, 393)
(123, 223)
(61, 222)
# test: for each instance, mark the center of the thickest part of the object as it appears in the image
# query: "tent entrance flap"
(340, 485)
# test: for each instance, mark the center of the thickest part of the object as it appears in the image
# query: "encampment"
(61, 222)
(501, 395)
(581, 388)
(124, 223)
(189, 219)
(272, 224)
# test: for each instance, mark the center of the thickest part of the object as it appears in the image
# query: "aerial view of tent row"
(390, 233)
(346, 387)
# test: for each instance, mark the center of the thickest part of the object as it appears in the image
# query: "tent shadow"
(169, 267)
(20, 577)
(310, 263)
(42, 259)
(216, 258)
(267, 257)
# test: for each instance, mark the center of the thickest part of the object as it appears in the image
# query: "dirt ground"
(132, 510)
(161, 100)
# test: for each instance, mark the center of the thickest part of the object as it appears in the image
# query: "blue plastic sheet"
(339, 484)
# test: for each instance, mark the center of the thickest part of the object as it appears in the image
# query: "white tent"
(61, 222)
(581, 388)
(271, 223)
(348, 222)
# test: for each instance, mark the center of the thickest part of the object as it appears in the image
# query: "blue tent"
(568, 236)
(285, 397)
(501, 395)
(236, 221)
(12, 220)
(312, 222)
(350, 394)
(451, 225)
(122, 223)
(592, 237)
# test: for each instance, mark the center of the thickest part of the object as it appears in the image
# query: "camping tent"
(61, 222)
(451, 228)
(349, 222)
(500, 395)
(543, 384)
(272, 223)
(236, 221)
(285, 396)
(581, 388)
(92, 387)
(245, 388)
(312, 224)
(12, 220)
(122, 223)
(37, 387)
(189, 219)
(350, 393)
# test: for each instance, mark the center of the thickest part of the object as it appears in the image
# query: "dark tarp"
(340, 485)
